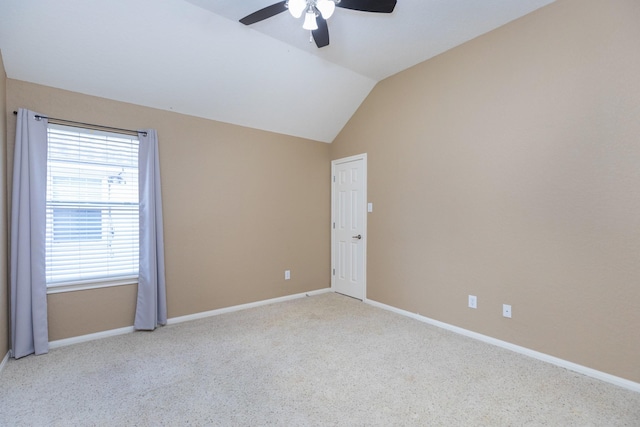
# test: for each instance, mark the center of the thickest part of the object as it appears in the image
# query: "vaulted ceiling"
(194, 57)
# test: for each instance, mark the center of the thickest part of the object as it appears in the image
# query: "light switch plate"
(506, 310)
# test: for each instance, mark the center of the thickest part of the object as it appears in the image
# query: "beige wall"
(4, 292)
(509, 168)
(240, 207)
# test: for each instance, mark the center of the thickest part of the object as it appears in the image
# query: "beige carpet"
(325, 360)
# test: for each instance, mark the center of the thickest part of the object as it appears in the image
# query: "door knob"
(359, 236)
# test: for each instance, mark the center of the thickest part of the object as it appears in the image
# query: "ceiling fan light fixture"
(310, 22)
(326, 8)
(296, 7)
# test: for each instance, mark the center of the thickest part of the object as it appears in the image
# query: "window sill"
(86, 285)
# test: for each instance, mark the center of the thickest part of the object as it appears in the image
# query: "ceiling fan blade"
(265, 13)
(380, 6)
(321, 35)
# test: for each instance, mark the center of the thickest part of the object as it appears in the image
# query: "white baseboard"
(90, 337)
(4, 361)
(180, 319)
(603, 376)
(216, 312)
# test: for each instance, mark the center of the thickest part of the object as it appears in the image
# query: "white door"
(349, 226)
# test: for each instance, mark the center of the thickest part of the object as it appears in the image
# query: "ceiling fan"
(317, 12)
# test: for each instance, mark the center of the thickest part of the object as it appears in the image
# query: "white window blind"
(92, 206)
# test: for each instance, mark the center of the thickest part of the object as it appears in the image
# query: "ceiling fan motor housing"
(317, 7)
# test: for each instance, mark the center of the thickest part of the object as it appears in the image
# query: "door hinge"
(334, 225)
(334, 271)
(334, 178)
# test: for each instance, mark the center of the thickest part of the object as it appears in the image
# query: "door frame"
(362, 157)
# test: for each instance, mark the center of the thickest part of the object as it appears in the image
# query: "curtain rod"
(88, 125)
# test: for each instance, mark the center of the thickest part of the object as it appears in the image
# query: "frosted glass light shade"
(310, 22)
(326, 8)
(296, 7)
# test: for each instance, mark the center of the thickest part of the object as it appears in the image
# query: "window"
(92, 209)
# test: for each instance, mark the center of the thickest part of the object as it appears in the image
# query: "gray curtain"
(151, 307)
(29, 330)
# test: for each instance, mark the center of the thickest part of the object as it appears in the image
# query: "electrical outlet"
(287, 274)
(506, 310)
(473, 301)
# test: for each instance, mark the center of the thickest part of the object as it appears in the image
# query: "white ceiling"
(194, 57)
